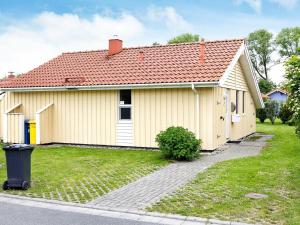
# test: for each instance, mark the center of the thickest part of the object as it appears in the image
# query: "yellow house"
(126, 96)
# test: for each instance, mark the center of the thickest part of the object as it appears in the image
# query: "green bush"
(178, 143)
(266, 86)
(272, 110)
(297, 124)
(285, 113)
(261, 115)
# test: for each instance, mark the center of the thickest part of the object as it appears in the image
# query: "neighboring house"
(126, 96)
(278, 95)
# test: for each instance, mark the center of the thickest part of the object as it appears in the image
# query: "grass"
(81, 174)
(219, 192)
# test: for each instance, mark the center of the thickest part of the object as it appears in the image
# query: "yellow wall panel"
(83, 117)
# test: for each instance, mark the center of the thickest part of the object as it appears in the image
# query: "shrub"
(266, 86)
(297, 124)
(285, 113)
(261, 115)
(272, 110)
(178, 143)
(291, 122)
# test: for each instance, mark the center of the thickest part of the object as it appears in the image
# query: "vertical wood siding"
(84, 117)
(155, 110)
(46, 126)
(247, 125)
(15, 128)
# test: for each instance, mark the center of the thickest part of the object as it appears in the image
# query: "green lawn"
(219, 191)
(82, 174)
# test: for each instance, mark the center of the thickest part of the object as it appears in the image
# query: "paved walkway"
(149, 189)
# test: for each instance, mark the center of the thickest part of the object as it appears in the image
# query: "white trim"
(21, 127)
(260, 103)
(5, 122)
(197, 99)
(228, 113)
(38, 122)
(115, 87)
(5, 127)
(38, 128)
(43, 109)
(12, 108)
(277, 90)
(231, 65)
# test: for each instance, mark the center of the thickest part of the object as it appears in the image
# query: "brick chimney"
(114, 46)
(10, 75)
(202, 51)
(141, 56)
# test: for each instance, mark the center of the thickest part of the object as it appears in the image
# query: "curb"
(154, 217)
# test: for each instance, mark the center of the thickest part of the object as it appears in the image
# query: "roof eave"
(115, 87)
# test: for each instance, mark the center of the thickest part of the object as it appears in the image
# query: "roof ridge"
(159, 46)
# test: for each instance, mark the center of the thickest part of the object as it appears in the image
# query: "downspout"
(197, 111)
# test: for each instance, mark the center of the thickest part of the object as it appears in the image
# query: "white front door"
(124, 129)
(228, 113)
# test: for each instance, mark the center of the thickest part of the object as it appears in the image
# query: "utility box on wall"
(235, 118)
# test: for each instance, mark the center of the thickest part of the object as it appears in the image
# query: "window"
(237, 102)
(244, 93)
(125, 105)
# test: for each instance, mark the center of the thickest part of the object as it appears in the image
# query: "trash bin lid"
(31, 121)
(18, 147)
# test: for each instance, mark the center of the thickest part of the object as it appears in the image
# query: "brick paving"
(149, 189)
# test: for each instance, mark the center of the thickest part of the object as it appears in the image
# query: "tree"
(285, 113)
(292, 67)
(266, 86)
(261, 115)
(184, 38)
(272, 110)
(288, 41)
(261, 47)
(155, 43)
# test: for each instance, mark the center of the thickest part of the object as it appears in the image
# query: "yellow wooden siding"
(2, 108)
(155, 110)
(15, 128)
(247, 125)
(207, 112)
(46, 125)
(236, 79)
(219, 133)
(84, 117)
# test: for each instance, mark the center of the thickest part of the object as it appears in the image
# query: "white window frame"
(124, 106)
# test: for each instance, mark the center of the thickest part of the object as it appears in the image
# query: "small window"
(237, 102)
(244, 93)
(125, 105)
(125, 97)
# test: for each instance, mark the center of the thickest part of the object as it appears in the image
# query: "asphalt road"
(11, 214)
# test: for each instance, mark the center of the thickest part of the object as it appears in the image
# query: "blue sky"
(32, 32)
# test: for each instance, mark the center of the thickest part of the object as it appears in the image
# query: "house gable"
(236, 79)
(240, 75)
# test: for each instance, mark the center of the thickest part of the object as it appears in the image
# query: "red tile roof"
(159, 64)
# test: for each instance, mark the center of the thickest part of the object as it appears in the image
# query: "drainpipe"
(197, 111)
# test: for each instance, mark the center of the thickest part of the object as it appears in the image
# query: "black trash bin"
(18, 163)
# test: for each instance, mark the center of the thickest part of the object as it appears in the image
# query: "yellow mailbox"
(32, 131)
